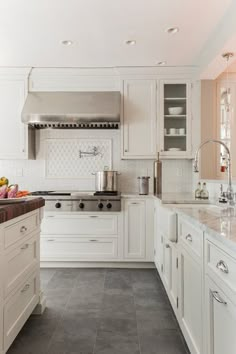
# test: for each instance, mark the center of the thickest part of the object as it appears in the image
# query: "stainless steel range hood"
(68, 110)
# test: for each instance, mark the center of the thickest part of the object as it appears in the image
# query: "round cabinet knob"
(57, 205)
(81, 205)
(100, 205)
(109, 205)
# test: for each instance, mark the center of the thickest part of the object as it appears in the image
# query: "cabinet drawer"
(19, 262)
(20, 229)
(80, 225)
(19, 307)
(220, 263)
(72, 248)
(191, 237)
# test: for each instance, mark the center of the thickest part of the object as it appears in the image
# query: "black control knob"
(100, 205)
(109, 205)
(58, 205)
(81, 205)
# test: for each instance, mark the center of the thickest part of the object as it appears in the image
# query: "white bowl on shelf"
(175, 110)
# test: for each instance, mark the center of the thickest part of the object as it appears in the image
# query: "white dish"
(13, 200)
(174, 149)
(175, 110)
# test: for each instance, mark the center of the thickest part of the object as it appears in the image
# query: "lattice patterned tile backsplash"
(67, 158)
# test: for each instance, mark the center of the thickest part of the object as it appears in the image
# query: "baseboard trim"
(144, 265)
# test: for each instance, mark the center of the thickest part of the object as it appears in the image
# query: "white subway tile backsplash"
(34, 172)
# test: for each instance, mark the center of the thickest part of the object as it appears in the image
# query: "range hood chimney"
(72, 110)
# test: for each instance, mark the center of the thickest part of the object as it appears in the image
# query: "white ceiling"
(31, 31)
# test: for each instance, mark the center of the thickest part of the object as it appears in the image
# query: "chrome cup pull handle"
(218, 298)
(25, 246)
(23, 229)
(26, 287)
(189, 238)
(222, 266)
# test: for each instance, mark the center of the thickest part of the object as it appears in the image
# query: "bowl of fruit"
(11, 193)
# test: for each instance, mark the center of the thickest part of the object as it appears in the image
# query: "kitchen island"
(19, 266)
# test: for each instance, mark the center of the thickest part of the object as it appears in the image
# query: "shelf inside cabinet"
(175, 99)
(175, 135)
(175, 116)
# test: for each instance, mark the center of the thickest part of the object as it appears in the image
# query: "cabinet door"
(139, 119)
(173, 292)
(13, 142)
(191, 301)
(158, 241)
(167, 257)
(135, 229)
(175, 119)
(221, 320)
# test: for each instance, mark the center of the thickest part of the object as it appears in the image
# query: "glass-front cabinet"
(175, 119)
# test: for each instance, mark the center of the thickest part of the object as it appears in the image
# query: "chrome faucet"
(230, 192)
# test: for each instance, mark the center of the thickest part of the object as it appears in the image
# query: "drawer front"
(220, 263)
(19, 262)
(191, 237)
(80, 225)
(71, 248)
(19, 307)
(20, 229)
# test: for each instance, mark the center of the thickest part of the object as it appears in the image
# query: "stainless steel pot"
(106, 181)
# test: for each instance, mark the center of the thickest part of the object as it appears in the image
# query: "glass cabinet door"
(175, 118)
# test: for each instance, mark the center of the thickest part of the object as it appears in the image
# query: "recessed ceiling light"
(67, 42)
(161, 63)
(172, 30)
(130, 42)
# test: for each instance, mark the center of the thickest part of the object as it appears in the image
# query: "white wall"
(31, 174)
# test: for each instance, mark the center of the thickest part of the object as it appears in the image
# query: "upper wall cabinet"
(15, 135)
(175, 119)
(138, 126)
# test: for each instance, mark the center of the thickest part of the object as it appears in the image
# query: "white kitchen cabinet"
(190, 300)
(77, 237)
(19, 307)
(78, 248)
(19, 282)
(16, 139)
(174, 277)
(138, 126)
(175, 128)
(135, 229)
(221, 319)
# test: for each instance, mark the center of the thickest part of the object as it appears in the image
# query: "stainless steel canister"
(143, 185)
(106, 181)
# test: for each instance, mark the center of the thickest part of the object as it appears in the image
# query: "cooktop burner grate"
(105, 193)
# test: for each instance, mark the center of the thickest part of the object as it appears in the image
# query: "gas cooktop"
(80, 201)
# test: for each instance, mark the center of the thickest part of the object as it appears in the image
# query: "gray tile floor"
(102, 311)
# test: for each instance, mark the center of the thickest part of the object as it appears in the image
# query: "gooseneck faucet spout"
(230, 192)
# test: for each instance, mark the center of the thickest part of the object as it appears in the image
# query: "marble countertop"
(11, 211)
(217, 221)
(180, 198)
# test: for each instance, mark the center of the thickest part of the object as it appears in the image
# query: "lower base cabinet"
(19, 274)
(190, 301)
(74, 248)
(19, 307)
(134, 229)
(125, 236)
(203, 282)
(220, 319)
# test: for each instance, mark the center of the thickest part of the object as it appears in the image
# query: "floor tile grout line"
(139, 344)
(99, 319)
